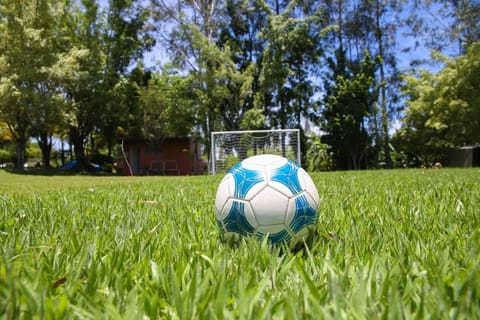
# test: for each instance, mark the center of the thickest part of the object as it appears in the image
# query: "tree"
(446, 26)
(125, 38)
(246, 59)
(58, 65)
(169, 106)
(348, 105)
(243, 21)
(27, 51)
(442, 109)
(94, 93)
(222, 89)
(374, 27)
(370, 25)
(5, 135)
(132, 86)
(319, 158)
(84, 92)
(191, 41)
(293, 50)
(384, 32)
(176, 19)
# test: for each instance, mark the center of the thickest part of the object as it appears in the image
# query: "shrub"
(7, 156)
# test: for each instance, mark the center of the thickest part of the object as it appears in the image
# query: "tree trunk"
(45, 144)
(78, 140)
(383, 94)
(21, 146)
(20, 136)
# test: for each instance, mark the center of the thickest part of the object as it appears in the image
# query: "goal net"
(230, 147)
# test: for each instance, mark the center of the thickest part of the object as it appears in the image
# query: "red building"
(175, 156)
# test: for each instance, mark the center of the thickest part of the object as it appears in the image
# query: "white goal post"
(230, 147)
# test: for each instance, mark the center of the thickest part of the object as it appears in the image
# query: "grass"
(390, 245)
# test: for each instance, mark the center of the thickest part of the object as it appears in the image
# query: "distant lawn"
(39, 180)
(392, 244)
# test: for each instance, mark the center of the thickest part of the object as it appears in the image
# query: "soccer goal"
(230, 147)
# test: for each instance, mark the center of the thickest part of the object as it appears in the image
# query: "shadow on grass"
(57, 172)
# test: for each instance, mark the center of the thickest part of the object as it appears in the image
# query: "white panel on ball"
(270, 207)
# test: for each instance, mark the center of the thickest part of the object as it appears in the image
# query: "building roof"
(473, 146)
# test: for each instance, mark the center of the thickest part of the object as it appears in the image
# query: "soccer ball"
(267, 196)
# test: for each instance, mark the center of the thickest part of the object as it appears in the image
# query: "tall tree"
(443, 25)
(348, 105)
(126, 37)
(190, 41)
(59, 65)
(174, 20)
(222, 88)
(443, 109)
(169, 106)
(372, 25)
(292, 52)
(112, 45)
(377, 20)
(27, 51)
(243, 21)
(84, 92)
(365, 26)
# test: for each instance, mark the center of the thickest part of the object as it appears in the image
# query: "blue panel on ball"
(304, 214)
(276, 237)
(245, 179)
(288, 176)
(236, 221)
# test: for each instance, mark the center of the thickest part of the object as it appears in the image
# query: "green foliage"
(34, 151)
(169, 106)
(399, 158)
(253, 119)
(61, 63)
(125, 35)
(318, 156)
(27, 50)
(7, 150)
(222, 88)
(230, 161)
(5, 135)
(390, 244)
(348, 108)
(292, 51)
(460, 27)
(442, 110)
(7, 156)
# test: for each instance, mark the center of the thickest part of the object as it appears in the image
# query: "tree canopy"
(443, 109)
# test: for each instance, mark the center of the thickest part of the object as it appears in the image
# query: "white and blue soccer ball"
(267, 196)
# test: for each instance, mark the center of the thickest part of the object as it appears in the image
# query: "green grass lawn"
(390, 244)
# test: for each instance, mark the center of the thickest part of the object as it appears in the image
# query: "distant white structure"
(467, 156)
